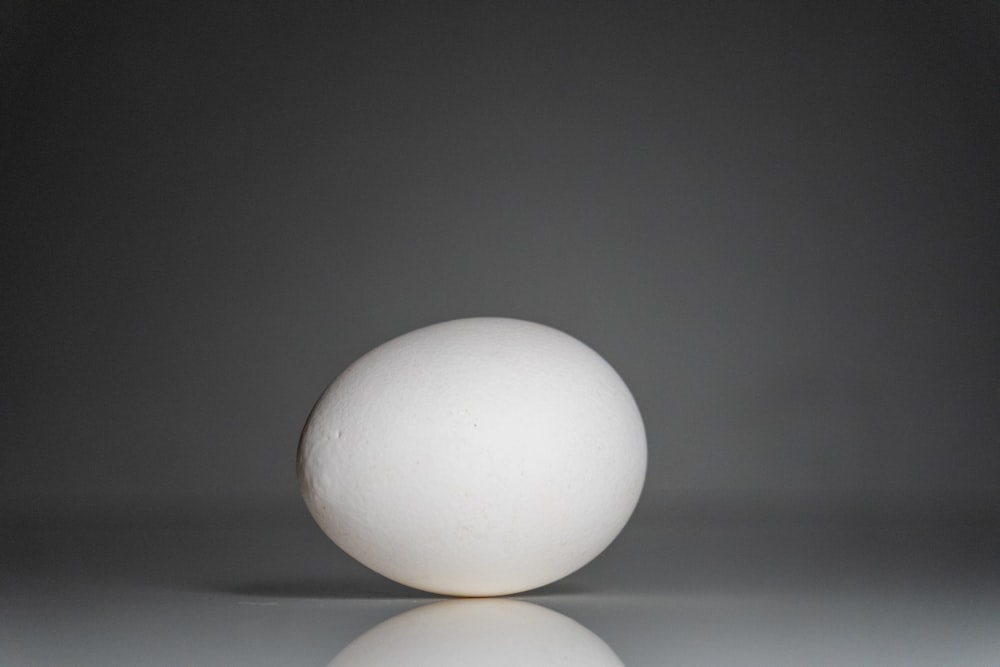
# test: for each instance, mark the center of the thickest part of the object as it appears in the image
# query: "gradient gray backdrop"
(778, 221)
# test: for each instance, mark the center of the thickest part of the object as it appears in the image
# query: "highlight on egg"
(475, 457)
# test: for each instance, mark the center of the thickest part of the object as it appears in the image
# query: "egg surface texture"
(476, 457)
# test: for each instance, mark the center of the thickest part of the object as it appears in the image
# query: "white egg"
(476, 457)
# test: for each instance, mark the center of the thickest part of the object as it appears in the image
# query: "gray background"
(778, 221)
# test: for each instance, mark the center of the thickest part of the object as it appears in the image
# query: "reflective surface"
(688, 583)
(478, 632)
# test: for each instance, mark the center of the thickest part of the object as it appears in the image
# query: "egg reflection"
(478, 633)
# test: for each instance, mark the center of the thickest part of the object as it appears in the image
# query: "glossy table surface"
(687, 583)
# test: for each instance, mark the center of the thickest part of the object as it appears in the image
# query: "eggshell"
(475, 457)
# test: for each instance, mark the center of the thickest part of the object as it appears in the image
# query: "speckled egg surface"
(476, 457)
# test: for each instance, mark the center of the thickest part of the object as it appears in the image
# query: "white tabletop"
(687, 583)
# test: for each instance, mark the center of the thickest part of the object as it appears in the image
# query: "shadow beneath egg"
(326, 589)
(343, 589)
(558, 589)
